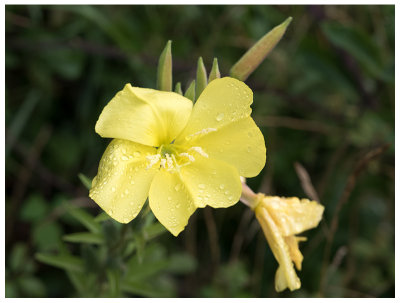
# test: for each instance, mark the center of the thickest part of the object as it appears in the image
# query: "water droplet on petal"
(230, 198)
(219, 117)
(169, 198)
(227, 192)
(202, 186)
(132, 182)
(177, 205)
(222, 186)
(126, 191)
(125, 158)
(136, 154)
(177, 187)
(113, 189)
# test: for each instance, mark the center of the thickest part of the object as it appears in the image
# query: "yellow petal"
(170, 201)
(239, 143)
(285, 275)
(212, 182)
(122, 182)
(222, 102)
(145, 116)
(292, 215)
(295, 254)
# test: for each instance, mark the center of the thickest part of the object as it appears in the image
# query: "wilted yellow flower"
(281, 219)
(180, 156)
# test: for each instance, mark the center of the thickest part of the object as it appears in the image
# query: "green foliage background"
(324, 98)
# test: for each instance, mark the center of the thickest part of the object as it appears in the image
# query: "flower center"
(172, 157)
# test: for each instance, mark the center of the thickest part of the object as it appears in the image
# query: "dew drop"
(177, 187)
(125, 158)
(113, 189)
(219, 117)
(230, 198)
(222, 186)
(169, 198)
(126, 191)
(136, 154)
(202, 186)
(177, 205)
(111, 212)
(132, 182)
(227, 192)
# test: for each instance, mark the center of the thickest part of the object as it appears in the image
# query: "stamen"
(162, 162)
(199, 150)
(153, 160)
(170, 163)
(190, 157)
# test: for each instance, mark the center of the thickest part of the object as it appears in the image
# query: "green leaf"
(257, 53)
(78, 280)
(17, 257)
(20, 119)
(67, 262)
(153, 231)
(143, 289)
(164, 71)
(214, 73)
(190, 92)
(84, 237)
(87, 182)
(85, 218)
(102, 217)
(34, 209)
(113, 282)
(47, 235)
(181, 263)
(357, 43)
(201, 77)
(32, 287)
(178, 88)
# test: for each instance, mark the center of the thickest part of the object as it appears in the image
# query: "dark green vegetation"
(323, 98)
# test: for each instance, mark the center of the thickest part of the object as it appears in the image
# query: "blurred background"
(324, 99)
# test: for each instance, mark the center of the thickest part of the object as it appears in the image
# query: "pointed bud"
(190, 92)
(178, 88)
(257, 53)
(201, 77)
(164, 72)
(214, 74)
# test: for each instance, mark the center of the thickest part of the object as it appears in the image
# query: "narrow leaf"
(84, 237)
(214, 74)
(67, 262)
(113, 282)
(102, 217)
(190, 92)
(257, 53)
(164, 72)
(85, 218)
(201, 77)
(178, 88)
(85, 181)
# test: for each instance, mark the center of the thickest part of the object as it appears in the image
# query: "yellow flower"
(180, 156)
(281, 219)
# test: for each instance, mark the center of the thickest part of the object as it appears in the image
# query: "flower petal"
(285, 275)
(145, 116)
(292, 215)
(222, 102)
(212, 182)
(170, 201)
(240, 143)
(122, 182)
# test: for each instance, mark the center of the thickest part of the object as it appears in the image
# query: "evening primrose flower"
(179, 155)
(281, 219)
